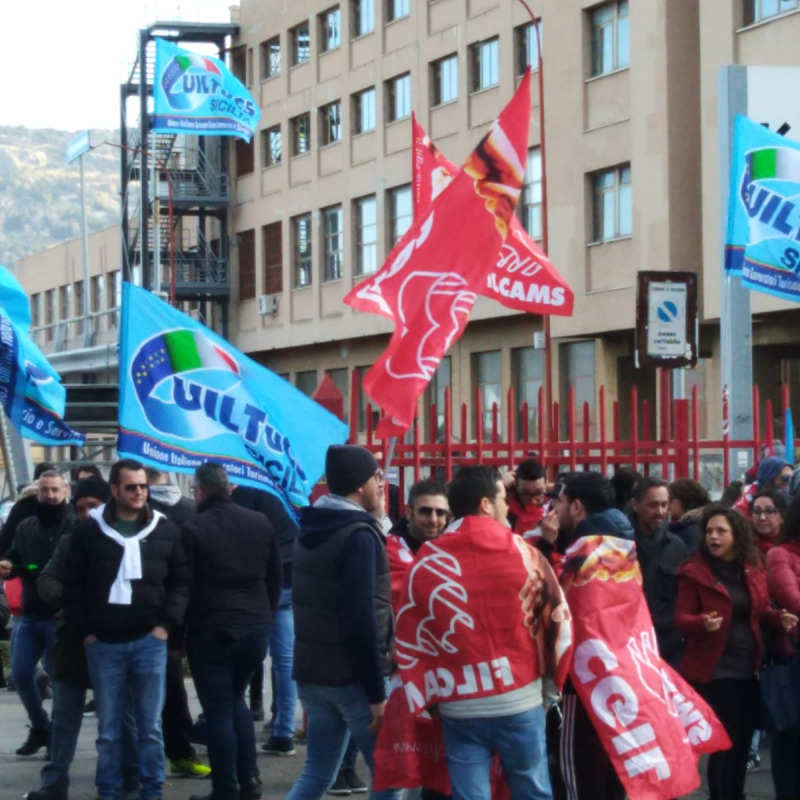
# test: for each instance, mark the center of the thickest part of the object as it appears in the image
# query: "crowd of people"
(125, 580)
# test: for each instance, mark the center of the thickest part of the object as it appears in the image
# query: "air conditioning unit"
(268, 304)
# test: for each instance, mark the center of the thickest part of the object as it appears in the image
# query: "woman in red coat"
(783, 582)
(722, 600)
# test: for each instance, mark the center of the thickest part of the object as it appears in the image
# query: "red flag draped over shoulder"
(429, 283)
(652, 724)
(481, 614)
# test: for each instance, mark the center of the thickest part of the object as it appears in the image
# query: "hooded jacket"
(168, 499)
(341, 596)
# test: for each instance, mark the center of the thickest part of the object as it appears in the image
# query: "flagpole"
(548, 352)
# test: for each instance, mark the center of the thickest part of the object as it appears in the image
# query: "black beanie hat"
(348, 466)
(91, 487)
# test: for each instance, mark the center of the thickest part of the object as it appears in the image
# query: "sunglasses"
(132, 487)
(426, 511)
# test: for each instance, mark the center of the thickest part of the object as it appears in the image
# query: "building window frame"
(485, 64)
(755, 11)
(271, 147)
(272, 257)
(330, 29)
(444, 80)
(401, 212)
(364, 111)
(363, 21)
(330, 123)
(301, 251)
(612, 206)
(398, 97)
(300, 44)
(332, 243)
(397, 9)
(487, 371)
(365, 218)
(526, 47)
(529, 208)
(301, 134)
(270, 58)
(610, 38)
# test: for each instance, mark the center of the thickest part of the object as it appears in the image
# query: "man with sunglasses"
(127, 587)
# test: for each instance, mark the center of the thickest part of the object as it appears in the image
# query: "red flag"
(652, 724)
(428, 284)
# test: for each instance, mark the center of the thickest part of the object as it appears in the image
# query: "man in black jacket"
(127, 586)
(35, 540)
(235, 578)
(343, 618)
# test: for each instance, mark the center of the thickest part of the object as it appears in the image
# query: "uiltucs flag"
(199, 95)
(428, 284)
(31, 392)
(763, 236)
(187, 396)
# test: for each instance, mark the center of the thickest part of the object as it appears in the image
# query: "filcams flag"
(428, 284)
(187, 396)
(763, 236)
(31, 392)
(199, 95)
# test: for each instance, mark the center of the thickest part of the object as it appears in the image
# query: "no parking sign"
(666, 319)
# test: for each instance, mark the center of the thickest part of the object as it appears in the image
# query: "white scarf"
(130, 568)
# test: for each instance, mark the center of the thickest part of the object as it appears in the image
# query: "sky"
(63, 60)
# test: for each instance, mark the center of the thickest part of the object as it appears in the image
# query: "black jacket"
(22, 509)
(234, 566)
(341, 598)
(159, 597)
(167, 499)
(34, 543)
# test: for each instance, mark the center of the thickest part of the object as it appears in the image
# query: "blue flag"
(199, 95)
(763, 236)
(187, 396)
(31, 392)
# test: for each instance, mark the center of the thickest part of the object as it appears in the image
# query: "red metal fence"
(444, 439)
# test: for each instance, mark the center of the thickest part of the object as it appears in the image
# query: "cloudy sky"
(63, 61)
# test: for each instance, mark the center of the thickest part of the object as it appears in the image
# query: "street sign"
(78, 146)
(666, 319)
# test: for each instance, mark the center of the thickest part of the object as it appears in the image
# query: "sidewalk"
(277, 773)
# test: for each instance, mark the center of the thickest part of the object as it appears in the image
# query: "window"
(396, 9)
(330, 29)
(364, 401)
(64, 302)
(526, 47)
(245, 157)
(612, 204)
(301, 45)
(36, 309)
(239, 64)
(486, 375)
(485, 64)
(332, 244)
(401, 213)
(79, 308)
(97, 292)
(49, 312)
(301, 134)
(271, 146)
(301, 250)
(440, 382)
(364, 111)
(610, 39)
(578, 373)
(444, 79)
(331, 123)
(530, 206)
(363, 17)
(340, 378)
(398, 98)
(270, 58)
(527, 370)
(306, 381)
(756, 10)
(272, 248)
(366, 217)
(247, 264)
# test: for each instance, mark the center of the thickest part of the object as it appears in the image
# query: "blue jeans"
(519, 740)
(67, 718)
(118, 669)
(33, 640)
(222, 663)
(281, 646)
(332, 712)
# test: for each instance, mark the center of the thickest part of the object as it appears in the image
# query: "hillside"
(40, 192)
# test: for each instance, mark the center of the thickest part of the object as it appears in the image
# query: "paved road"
(19, 775)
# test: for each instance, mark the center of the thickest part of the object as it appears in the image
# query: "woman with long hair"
(722, 601)
(783, 582)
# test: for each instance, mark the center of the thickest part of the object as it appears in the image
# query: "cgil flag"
(31, 392)
(762, 242)
(199, 95)
(429, 283)
(187, 396)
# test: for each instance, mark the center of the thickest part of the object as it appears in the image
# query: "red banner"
(653, 725)
(429, 283)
